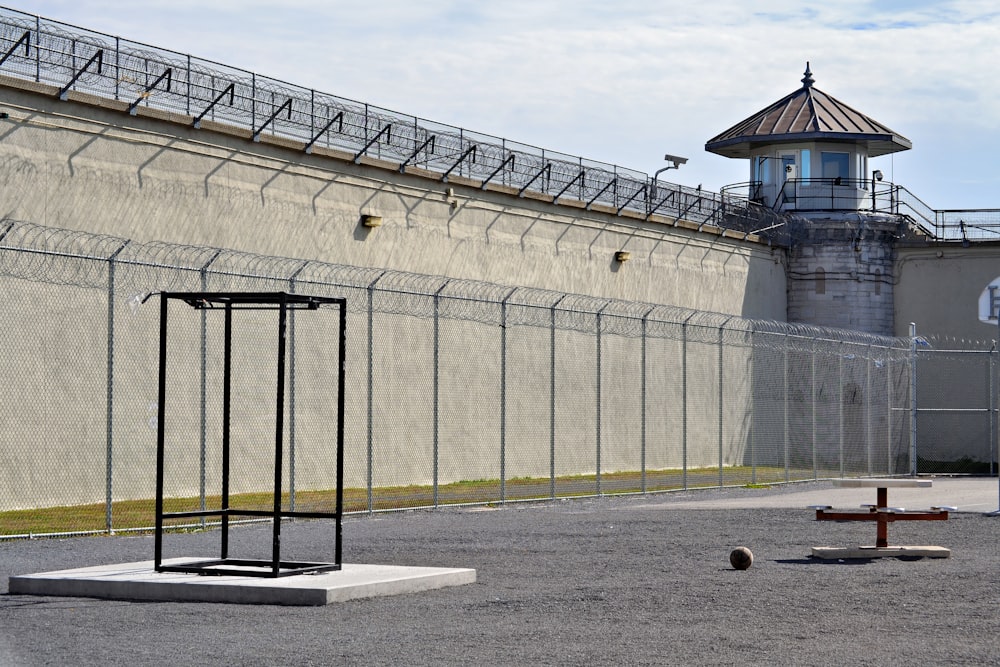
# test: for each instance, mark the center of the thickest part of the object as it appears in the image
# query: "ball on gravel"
(741, 558)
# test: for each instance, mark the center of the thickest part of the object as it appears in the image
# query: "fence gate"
(956, 411)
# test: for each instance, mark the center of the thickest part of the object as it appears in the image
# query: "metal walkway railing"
(75, 59)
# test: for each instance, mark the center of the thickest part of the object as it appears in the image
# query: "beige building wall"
(938, 289)
(91, 166)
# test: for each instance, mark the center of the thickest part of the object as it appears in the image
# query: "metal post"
(642, 407)
(785, 406)
(812, 382)
(503, 395)
(437, 387)
(110, 394)
(840, 404)
(160, 436)
(227, 392)
(913, 398)
(868, 408)
(721, 401)
(370, 414)
(279, 426)
(552, 398)
(341, 401)
(753, 407)
(203, 424)
(597, 479)
(997, 512)
(684, 402)
(889, 416)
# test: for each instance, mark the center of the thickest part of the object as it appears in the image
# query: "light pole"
(676, 162)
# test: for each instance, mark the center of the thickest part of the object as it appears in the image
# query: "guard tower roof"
(808, 114)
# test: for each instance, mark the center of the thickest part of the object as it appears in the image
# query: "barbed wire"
(66, 257)
(74, 58)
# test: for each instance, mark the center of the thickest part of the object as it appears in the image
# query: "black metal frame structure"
(226, 303)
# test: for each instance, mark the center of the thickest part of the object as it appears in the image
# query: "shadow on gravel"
(826, 561)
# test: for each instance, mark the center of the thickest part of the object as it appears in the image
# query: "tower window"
(835, 165)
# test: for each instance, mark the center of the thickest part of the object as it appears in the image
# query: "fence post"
(684, 402)
(753, 407)
(203, 426)
(371, 371)
(812, 388)
(721, 401)
(109, 446)
(840, 403)
(642, 407)
(868, 408)
(913, 398)
(437, 386)
(552, 398)
(503, 395)
(291, 392)
(785, 391)
(597, 480)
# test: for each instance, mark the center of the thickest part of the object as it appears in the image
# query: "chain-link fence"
(956, 409)
(457, 391)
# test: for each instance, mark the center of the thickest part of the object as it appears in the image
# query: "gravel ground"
(573, 582)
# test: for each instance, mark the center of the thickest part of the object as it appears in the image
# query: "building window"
(835, 165)
(820, 280)
(804, 170)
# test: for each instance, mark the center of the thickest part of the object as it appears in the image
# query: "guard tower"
(808, 155)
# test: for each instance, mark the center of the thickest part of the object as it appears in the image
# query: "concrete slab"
(138, 581)
(880, 552)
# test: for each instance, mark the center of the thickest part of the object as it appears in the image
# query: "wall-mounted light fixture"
(371, 221)
(623, 256)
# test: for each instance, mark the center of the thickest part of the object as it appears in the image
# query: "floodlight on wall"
(371, 221)
(623, 256)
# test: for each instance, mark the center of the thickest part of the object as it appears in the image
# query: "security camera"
(877, 174)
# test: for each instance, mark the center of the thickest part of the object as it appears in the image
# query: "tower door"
(788, 174)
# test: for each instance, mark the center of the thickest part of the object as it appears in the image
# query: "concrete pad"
(139, 581)
(880, 552)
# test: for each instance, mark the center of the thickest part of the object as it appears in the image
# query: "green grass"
(140, 514)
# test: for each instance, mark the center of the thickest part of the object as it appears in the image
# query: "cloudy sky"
(622, 82)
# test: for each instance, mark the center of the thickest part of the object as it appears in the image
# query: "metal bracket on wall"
(231, 89)
(387, 131)
(471, 150)
(509, 160)
(340, 128)
(25, 39)
(286, 105)
(630, 199)
(98, 58)
(430, 140)
(578, 177)
(547, 170)
(612, 183)
(168, 75)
